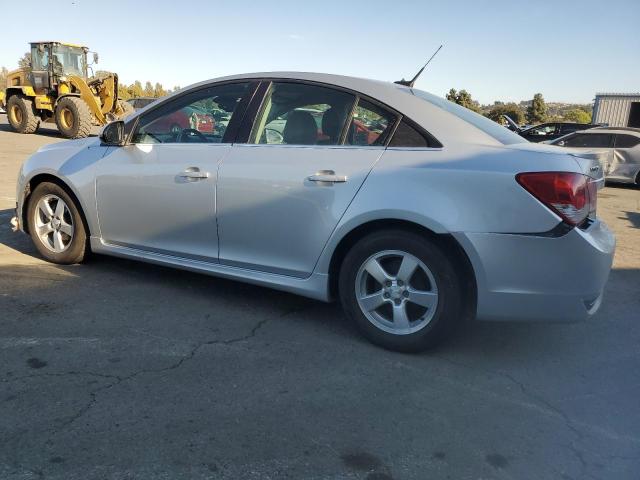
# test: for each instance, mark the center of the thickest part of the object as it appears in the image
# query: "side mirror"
(113, 134)
(95, 57)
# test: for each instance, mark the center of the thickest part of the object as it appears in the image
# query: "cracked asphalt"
(121, 370)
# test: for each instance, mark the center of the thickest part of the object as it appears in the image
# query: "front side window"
(301, 114)
(197, 117)
(588, 140)
(370, 125)
(542, 131)
(68, 60)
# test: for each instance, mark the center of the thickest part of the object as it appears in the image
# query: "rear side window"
(370, 125)
(301, 114)
(589, 140)
(626, 141)
(407, 136)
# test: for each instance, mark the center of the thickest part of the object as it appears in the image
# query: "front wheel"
(401, 290)
(73, 117)
(55, 225)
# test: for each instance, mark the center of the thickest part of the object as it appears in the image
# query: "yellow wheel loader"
(56, 88)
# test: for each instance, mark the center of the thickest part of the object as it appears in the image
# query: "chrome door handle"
(194, 173)
(328, 176)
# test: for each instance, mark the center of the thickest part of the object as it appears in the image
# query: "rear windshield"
(491, 128)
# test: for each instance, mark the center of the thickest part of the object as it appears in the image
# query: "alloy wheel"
(396, 292)
(54, 223)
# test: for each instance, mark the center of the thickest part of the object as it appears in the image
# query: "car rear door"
(600, 143)
(158, 193)
(281, 194)
(625, 160)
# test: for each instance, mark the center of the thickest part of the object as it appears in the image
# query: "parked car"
(620, 148)
(444, 216)
(545, 132)
(189, 117)
(140, 102)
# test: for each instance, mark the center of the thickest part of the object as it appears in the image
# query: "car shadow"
(633, 218)
(45, 129)
(622, 186)
(48, 130)
(493, 340)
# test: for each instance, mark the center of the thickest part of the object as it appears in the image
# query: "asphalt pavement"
(121, 370)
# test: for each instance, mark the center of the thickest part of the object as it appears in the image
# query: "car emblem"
(594, 169)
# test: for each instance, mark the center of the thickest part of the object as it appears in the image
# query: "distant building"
(617, 109)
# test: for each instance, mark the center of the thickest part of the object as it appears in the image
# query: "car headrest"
(331, 124)
(300, 129)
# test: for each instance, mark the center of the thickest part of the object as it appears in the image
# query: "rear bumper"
(534, 278)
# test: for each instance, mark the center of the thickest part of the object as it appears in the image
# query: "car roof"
(631, 130)
(586, 125)
(74, 45)
(439, 117)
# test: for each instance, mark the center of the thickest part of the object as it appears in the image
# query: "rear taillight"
(571, 195)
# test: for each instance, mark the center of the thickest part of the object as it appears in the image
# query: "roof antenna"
(411, 83)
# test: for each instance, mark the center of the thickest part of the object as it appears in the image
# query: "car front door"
(158, 193)
(282, 193)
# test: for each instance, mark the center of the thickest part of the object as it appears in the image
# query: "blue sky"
(497, 50)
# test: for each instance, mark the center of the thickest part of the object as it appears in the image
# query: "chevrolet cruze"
(414, 212)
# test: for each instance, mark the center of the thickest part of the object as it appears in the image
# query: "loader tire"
(22, 114)
(73, 117)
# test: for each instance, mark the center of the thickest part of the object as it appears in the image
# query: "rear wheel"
(22, 114)
(401, 290)
(55, 225)
(73, 117)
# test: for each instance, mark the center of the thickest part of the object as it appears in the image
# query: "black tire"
(22, 114)
(448, 312)
(73, 117)
(77, 249)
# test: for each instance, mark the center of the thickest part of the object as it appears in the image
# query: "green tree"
(577, 115)
(463, 98)
(123, 92)
(158, 91)
(512, 110)
(25, 61)
(537, 111)
(148, 89)
(3, 78)
(135, 89)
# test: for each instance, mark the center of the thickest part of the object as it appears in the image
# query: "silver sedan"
(414, 212)
(617, 147)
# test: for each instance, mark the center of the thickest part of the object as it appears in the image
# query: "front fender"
(71, 163)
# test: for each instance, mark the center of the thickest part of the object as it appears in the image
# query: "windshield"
(69, 60)
(491, 128)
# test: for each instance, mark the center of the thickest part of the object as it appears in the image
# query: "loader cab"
(52, 60)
